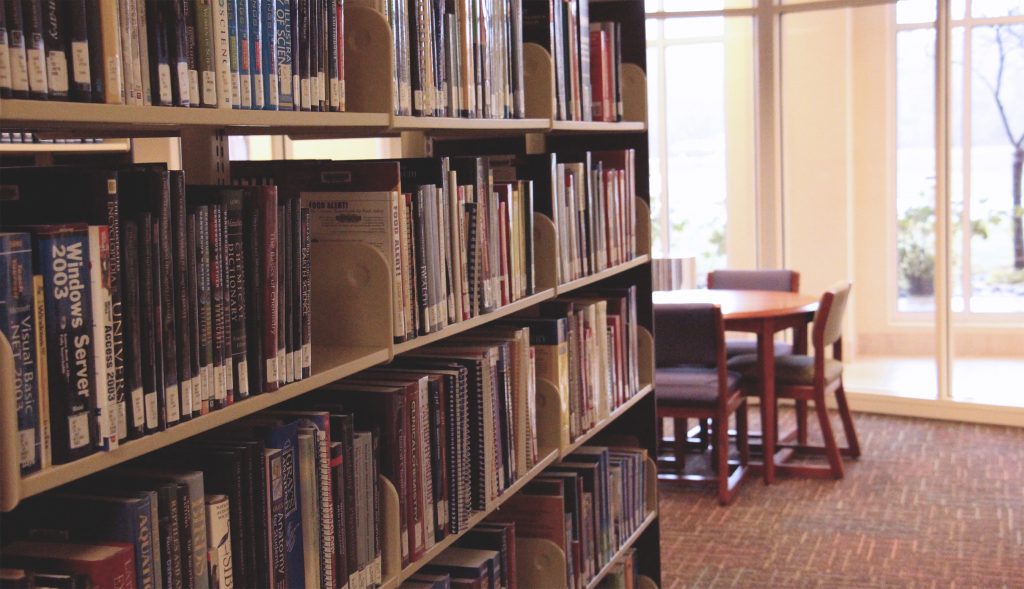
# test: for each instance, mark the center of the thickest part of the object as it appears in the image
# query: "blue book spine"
(256, 53)
(269, 38)
(18, 326)
(286, 438)
(234, 56)
(244, 53)
(63, 257)
(284, 54)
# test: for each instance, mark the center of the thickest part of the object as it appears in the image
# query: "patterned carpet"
(930, 504)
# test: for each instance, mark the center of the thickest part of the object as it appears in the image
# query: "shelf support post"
(205, 156)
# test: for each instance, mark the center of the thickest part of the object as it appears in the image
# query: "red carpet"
(930, 504)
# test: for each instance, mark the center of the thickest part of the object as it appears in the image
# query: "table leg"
(766, 357)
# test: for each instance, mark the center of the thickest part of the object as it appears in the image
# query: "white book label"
(26, 447)
(57, 71)
(80, 62)
(209, 88)
(78, 430)
(272, 376)
(184, 83)
(138, 408)
(171, 403)
(164, 83)
(36, 70)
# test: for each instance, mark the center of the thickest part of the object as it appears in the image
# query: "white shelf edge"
(597, 126)
(414, 123)
(588, 280)
(115, 146)
(412, 568)
(477, 321)
(57, 475)
(651, 516)
(599, 426)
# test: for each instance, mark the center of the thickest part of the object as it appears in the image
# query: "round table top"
(742, 304)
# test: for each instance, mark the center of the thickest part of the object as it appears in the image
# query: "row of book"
(249, 54)
(458, 242)
(588, 505)
(133, 302)
(28, 137)
(292, 494)
(587, 58)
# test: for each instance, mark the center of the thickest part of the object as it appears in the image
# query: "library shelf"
(597, 127)
(350, 360)
(599, 276)
(138, 121)
(115, 146)
(477, 321)
(443, 125)
(550, 457)
(601, 574)
(599, 426)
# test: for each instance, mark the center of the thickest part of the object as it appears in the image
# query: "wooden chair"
(777, 280)
(691, 381)
(809, 378)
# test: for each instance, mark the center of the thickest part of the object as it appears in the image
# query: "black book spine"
(192, 286)
(306, 293)
(159, 54)
(188, 573)
(218, 392)
(55, 40)
(94, 27)
(78, 49)
(14, 11)
(277, 533)
(295, 298)
(5, 60)
(341, 506)
(136, 409)
(347, 438)
(167, 295)
(205, 297)
(281, 295)
(416, 70)
(314, 54)
(152, 377)
(301, 55)
(287, 267)
(258, 545)
(225, 315)
(35, 48)
(332, 49)
(167, 391)
(170, 536)
(188, 10)
(419, 230)
(179, 240)
(253, 298)
(236, 284)
(180, 50)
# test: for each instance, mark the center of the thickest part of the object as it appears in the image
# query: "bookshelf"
(354, 334)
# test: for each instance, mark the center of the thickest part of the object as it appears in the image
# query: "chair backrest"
(780, 280)
(688, 334)
(828, 319)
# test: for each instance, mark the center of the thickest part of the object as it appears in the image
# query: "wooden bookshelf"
(651, 516)
(351, 330)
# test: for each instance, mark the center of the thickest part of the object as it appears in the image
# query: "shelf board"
(169, 120)
(352, 360)
(597, 127)
(651, 516)
(587, 280)
(477, 321)
(599, 426)
(550, 456)
(116, 146)
(442, 125)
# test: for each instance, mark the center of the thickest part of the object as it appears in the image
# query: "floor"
(990, 381)
(930, 504)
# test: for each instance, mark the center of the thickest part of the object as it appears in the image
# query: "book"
(17, 324)
(218, 510)
(104, 565)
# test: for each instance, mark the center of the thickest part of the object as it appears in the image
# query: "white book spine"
(143, 44)
(218, 541)
(102, 338)
(222, 54)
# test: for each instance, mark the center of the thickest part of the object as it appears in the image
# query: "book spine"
(177, 22)
(313, 51)
(109, 43)
(196, 359)
(205, 315)
(55, 39)
(135, 407)
(35, 48)
(276, 526)
(306, 292)
(152, 383)
(269, 275)
(16, 324)
(218, 534)
(301, 60)
(144, 59)
(227, 384)
(5, 53)
(253, 298)
(129, 50)
(283, 56)
(183, 341)
(103, 337)
(163, 311)
(221, 53)
(334, 51)
(268, 15)
(42, 377)
(295, 290)
(186, 541)
(256, 53)
(236, 82)
(283, 325)
(159, 66)
(244, 54)
(207, 63)
(16, 43)
(325, 507)
(218, 393)
(236, 289)
(79, 50)
(188, 11)
(64, 260)
(340, 504)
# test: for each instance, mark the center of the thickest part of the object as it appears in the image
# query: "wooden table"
(763, 313)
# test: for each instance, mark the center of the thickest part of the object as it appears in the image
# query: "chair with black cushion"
(691, 381)
(810, 378)
(777, 280)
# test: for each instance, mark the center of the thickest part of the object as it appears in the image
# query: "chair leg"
(679, 427)
(801, 421)
(721, 433)
(743, 433)
(848, 430)
(831, 449)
